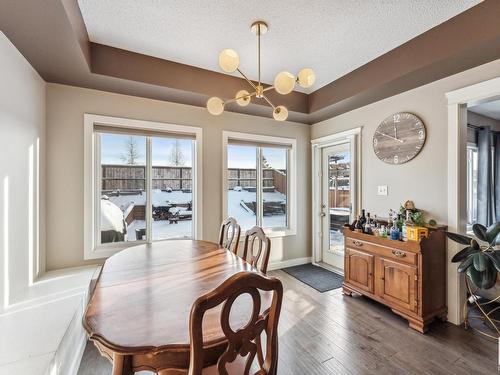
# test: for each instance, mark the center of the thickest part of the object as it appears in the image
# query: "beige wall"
(424, 179)
(65, 108)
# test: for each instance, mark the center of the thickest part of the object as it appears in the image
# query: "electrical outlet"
(382, 190)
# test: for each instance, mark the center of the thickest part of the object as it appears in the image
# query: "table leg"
(122, 365)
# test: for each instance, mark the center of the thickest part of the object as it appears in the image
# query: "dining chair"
(229, 236)
(257, 244)
(244, 342)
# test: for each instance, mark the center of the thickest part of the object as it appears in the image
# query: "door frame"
(353, 136)
(458, 101)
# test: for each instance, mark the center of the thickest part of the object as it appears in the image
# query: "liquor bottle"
(375, 221)
(363, 217)
(406, 224)
(395, 232)
(359, 225)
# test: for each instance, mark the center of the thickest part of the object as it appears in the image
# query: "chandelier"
(284, 83)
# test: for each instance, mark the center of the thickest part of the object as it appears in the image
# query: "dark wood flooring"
(328, 333)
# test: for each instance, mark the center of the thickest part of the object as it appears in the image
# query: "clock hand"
(395, 133)
(388, 136)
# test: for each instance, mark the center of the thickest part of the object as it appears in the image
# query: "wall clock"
(399, 138)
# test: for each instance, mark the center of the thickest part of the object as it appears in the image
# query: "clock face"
(399, 138)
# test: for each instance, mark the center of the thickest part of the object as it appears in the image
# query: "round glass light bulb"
(284, 83)
(215, 106)
(280, 113)
(244, 98)
(306, 77)
(229, 60)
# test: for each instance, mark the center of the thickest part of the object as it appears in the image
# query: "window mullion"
(259, 189)
(97, 189)
(149, 208)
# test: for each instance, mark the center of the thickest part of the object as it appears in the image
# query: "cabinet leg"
(122, 365)
(418, 326)
(346, 291)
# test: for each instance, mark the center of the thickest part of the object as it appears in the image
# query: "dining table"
(138, 314)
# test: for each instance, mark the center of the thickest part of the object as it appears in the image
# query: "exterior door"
(359, 269)
(336, 200)
(397, 284)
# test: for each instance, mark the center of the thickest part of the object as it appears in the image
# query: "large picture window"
(258, 183)
(143, 183)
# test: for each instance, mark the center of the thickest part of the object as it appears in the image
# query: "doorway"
(335, 195)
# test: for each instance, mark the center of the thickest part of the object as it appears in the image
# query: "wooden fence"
(133, 177)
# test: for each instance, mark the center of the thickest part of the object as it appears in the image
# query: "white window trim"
(91, 249)
(292, 176)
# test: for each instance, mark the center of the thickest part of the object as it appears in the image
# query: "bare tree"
(176, 156)
(131, 154)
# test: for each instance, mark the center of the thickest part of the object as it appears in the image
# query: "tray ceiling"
(332, 37)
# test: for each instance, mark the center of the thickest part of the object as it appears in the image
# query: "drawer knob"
(399, 253)
(358, 243)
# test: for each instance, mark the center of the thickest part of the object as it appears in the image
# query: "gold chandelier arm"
(240, 97)
(267, 100)
(246, 79)
(258, 48)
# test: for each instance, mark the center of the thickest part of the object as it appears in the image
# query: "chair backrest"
(244, 341)
(257, 244)
(229, 236)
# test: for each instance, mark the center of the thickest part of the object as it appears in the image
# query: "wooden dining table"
(138, 315)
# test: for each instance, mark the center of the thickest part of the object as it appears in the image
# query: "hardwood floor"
(328, 333)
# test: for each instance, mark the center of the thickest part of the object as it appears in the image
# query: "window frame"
(92, 178)
(471, 147)
(261, 140)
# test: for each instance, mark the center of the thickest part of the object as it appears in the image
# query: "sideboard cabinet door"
(397, 284)
(359, 269)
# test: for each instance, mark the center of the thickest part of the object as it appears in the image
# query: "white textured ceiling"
(333, 37)
(489, 109)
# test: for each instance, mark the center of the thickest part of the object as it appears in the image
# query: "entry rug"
(317, 277)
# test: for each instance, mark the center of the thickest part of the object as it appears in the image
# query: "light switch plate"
(382, 190)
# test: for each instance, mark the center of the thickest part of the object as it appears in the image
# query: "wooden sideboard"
(409, 277)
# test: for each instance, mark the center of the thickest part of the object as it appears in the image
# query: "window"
(258, 181)
(143, 183)
(472, 158)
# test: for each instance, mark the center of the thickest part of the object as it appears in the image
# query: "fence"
(133, 177)
(246, 177)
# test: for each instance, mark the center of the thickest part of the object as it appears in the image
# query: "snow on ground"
(163, 230)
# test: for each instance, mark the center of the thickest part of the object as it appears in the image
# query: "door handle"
(322, 214)
(399, 253)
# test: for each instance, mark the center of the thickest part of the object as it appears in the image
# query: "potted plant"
(480, 260)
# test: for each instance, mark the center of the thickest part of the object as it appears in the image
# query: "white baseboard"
(276, 265)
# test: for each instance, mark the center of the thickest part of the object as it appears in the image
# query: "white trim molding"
(277, 265)
(292, 176)
(354, 137)
(91, 167)
(458, 101)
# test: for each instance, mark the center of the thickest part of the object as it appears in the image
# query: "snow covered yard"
(162, 229)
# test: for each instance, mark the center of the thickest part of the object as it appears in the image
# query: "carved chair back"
(257, 244)
(229, 236)
(244, 341)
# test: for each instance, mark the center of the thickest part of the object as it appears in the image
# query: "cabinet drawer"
(386, 252)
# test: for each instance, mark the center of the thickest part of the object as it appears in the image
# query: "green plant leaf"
(466, 263)
(459, 238)
(474, 244)
(492, 232)
(495, 258)
(464, 253)
(480, 261)
(480, 231)
(496, 240)
(489, 277)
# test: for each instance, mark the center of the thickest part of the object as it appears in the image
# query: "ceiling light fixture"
(284, 83)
